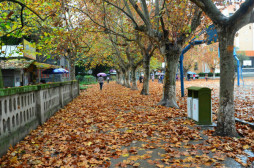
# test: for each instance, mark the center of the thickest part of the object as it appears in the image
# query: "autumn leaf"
(159, 165)
(136, 165)
(125, 155)
(92, 131)
(245, 146)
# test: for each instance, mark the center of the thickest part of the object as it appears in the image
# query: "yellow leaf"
(245, 146)
(129, 131)
(125, 155)
(13, 159)
(134, 158)
(136, 164)
(213, 150)
(160, 165)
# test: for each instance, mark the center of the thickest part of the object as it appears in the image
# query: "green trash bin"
(199, 105)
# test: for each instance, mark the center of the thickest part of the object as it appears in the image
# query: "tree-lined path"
(118, 127)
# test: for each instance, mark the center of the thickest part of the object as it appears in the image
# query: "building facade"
(21, 66)
(244, 39)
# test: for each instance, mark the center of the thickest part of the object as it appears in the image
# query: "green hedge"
(113, 78)
(209, 74)
(82, 87)
(17, 90)
(29, 88)
(86, 80)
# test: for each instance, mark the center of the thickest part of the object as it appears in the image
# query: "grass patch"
(82, 87)
(87, 83)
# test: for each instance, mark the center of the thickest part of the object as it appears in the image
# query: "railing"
(251, 70)
(22, 109)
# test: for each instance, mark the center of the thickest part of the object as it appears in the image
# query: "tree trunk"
(169, 87)
(127, 77)
(121, 82)
(226, 118)
(213, 73)
(118, 77)
(133, 78)
(146, 65)
(1, 79)
(72, 69)
(124, 78)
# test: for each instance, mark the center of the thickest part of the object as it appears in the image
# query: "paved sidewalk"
(118, 127)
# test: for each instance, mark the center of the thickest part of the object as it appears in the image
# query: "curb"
(245, 122)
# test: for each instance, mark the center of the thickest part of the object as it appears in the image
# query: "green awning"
(40, 65)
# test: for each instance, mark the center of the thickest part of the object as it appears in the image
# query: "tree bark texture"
(118, 78)
(213, 73)
(72, 69)
(146, 65)
(121, 78)
(226, 118)
(124, 78)
(127, 77)
(169, 87)
(133, 78)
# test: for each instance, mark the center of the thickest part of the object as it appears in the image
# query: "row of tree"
(125, 34)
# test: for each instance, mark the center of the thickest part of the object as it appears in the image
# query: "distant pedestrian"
(108, 79)
(141, 78)
(206, 77)
(162, 77)
(188, 77)
(152, 77)
(100, 81)
(194, 76)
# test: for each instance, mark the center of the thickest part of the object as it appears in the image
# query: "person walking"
(152, 77)
(108, 79)
(188, 77)
(100, 81)
(206, 76)
(141, 79)
(162, 78)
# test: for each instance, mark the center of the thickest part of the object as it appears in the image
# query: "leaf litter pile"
(118, 127)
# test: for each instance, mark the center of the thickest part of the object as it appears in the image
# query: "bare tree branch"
(24, 6)
(140, 13)
(127, 14)
(106, 29)
(211, 10)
